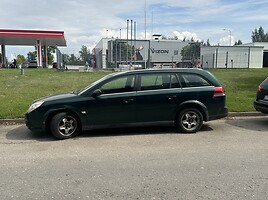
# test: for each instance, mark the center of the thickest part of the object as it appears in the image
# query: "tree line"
(258, 35)
(83, 58)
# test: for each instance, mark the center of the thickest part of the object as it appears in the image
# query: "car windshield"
(92, 84)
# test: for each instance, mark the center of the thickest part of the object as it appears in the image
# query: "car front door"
(114, 104)
(157, 97)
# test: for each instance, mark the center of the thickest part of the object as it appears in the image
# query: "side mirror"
(96, 93)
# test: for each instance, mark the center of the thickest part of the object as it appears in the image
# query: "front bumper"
(33, 123)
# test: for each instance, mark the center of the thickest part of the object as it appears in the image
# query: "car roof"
(202, 72)
(170, 70)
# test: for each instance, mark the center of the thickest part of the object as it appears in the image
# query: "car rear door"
(157, 97)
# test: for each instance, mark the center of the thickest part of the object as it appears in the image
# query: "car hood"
(57, 97)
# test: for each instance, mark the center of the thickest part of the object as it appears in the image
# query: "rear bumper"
(219, 116)
(261, 106)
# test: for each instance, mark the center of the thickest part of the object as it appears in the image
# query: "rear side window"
(159, 81)
(265, 83)
(193, 80)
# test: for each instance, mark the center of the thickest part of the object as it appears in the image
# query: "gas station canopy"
(39, 38)
(29, 37)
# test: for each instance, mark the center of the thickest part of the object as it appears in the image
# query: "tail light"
(259, 89)
(218, 92)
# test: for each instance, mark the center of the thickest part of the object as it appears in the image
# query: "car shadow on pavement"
(136, 131)
(23, 133)
(250, 123)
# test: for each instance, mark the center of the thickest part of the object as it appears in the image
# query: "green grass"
(18, 91)
(240, 86)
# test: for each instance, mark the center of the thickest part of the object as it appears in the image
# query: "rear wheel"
(189, 120)
(64, 125)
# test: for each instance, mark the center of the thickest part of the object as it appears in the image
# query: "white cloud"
(186, 35)
(85, 21)
(225, 41)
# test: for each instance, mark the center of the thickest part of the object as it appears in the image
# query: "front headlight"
(34, 106)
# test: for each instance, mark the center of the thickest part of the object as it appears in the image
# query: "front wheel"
(64, 125)
(189, 120)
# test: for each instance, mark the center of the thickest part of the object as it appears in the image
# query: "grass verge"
(18, 91)
(240, 86)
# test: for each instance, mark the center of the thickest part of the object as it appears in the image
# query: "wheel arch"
(194, 104)
(53, 112)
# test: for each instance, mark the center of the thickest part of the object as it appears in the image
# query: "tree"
(238, 42)
(85, 54)
(73, 60)
(32, 55)
(65, 58)
(50, 51)
(191, 52)
(258, 35)
(208, 43)
(21, 59)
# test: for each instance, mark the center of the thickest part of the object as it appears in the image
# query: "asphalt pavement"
(226, 159)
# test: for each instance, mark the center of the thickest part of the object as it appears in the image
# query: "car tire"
(189, 120)
(64, 125)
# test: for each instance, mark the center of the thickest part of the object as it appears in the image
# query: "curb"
(230, 114)
(12, 121)
(245, 114)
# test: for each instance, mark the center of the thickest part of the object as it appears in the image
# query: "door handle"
(127, 101)
(172, 97)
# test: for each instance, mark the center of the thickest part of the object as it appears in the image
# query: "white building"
(111, 53)
(253, 55)
(100, 53)
(166, 52)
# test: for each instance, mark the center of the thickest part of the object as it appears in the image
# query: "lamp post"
(120, 53)
(145, 21)
(225, 29)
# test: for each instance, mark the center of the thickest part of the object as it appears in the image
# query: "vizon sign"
(159, 51)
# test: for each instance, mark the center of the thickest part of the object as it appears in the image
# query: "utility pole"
(145, 16)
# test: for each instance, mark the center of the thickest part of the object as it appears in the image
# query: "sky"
(86, 22)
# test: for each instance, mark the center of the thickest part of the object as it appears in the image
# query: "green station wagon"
(180, 97)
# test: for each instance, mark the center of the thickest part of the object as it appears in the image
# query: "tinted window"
(193, 80)
(159, 81)
(122, 84)
(265, 83)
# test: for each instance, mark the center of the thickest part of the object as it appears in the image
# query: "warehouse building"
(252, 55)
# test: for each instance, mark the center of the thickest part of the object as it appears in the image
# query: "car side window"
(119, 85)
(174, 81)
(193, 80)
(159, 81)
